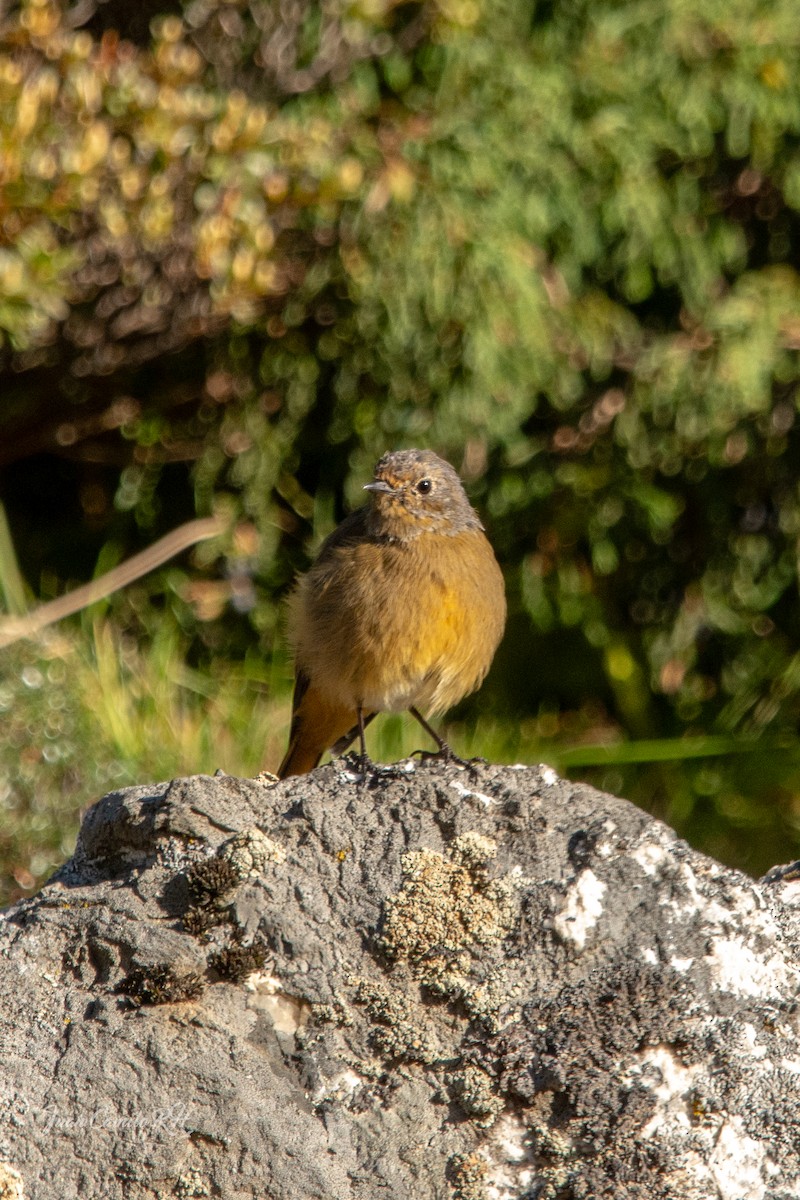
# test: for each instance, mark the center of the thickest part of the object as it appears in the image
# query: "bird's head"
(414, 492)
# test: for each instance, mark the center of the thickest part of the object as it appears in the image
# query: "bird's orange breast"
(388, 625)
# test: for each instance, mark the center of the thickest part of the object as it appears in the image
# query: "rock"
(427, 983)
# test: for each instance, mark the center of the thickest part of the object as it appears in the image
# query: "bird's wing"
(352, 529)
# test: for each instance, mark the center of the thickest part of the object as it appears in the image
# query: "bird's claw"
(445, 755)
(360, 764)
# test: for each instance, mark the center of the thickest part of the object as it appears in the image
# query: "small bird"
(402, 610)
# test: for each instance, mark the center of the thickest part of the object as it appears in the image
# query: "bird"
(402, 610)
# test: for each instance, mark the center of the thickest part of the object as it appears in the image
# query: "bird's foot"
(445, 755)
(359, 764)
(786, 873)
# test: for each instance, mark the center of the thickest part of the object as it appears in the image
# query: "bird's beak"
(378, 485)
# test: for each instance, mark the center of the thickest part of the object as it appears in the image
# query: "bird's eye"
(424, 486)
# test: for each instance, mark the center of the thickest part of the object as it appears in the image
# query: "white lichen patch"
(351, 776)
(466, 793)
(735, 967)
(671, 1082)
(732, 1166)
(583, 908)
(686, 899)
(649, 856)
(288, 1013)
(681, 964)
(548, 775)
(738, 1164)
(755, 1048)
(609, 845)
(263, 982)
(341, 1087)
(511, 1139)
(509, 1155)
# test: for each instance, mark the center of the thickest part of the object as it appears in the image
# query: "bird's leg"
(444, 749)
(361, 761)
(444, 752)
(362, 736)
(347, 739)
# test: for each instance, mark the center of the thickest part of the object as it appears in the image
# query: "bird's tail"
(316, 725)
(301, 757)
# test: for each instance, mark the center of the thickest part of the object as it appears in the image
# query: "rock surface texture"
(425, 983)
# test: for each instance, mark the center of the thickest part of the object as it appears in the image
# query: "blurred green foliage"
(89, 712)
(246, 246)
